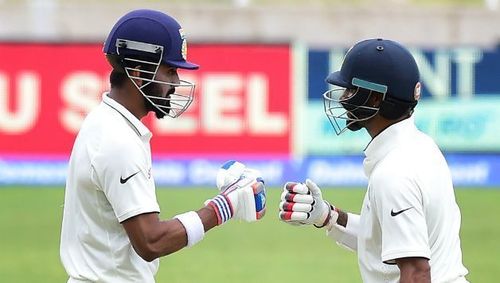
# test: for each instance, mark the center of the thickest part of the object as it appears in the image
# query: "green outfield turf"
(266, 252)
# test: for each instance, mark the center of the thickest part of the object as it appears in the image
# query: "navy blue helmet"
(140, 42)
(152, 29)
(372, 66)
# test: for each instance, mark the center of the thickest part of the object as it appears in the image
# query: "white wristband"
(193, 225)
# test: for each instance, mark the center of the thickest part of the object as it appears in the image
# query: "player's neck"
(132, 101)
(378, 124)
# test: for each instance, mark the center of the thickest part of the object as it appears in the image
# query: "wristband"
(193, 225)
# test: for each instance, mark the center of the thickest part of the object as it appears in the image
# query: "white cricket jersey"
(409, 208)
(109, 181)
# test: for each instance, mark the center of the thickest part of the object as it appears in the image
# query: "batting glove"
(303, 204)
(245, 199)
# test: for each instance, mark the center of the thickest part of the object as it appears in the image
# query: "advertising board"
(241, 106)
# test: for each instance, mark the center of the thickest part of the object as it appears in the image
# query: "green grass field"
(269, 251)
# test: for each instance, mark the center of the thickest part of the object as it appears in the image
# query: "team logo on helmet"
(417, 91)
(184, 44)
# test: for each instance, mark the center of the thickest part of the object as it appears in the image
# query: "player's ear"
(135, 74)
(376, 99)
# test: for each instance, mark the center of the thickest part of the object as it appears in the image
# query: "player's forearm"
(414, 270)
(342, 219)
(347, 220)
(419, 277)
(208, 217)
(152, 238)
(175, 237)
(345, 232)
(169, 237)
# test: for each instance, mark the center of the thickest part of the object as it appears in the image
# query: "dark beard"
(155, 90)
(356, 126)
(151, 107)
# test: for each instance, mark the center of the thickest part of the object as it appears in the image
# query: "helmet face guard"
(346, 107)
(175, 102)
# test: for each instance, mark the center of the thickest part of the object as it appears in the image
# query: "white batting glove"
(243, 194)
(303, 204)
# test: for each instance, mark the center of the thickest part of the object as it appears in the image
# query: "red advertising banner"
(242, 103)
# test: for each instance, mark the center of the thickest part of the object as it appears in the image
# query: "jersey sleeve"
(346, 237)
(399, 207)
(123, 172)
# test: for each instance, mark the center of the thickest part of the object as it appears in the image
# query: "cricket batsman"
(111, 230)
(408, 229)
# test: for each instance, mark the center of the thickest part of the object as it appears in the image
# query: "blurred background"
(258, 100)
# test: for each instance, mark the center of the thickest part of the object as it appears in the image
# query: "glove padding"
(244, 199)
(303, 204)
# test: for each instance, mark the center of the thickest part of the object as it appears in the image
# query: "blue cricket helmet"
(139, 43)
(372, 66)
(152, 28)
(380, 65)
